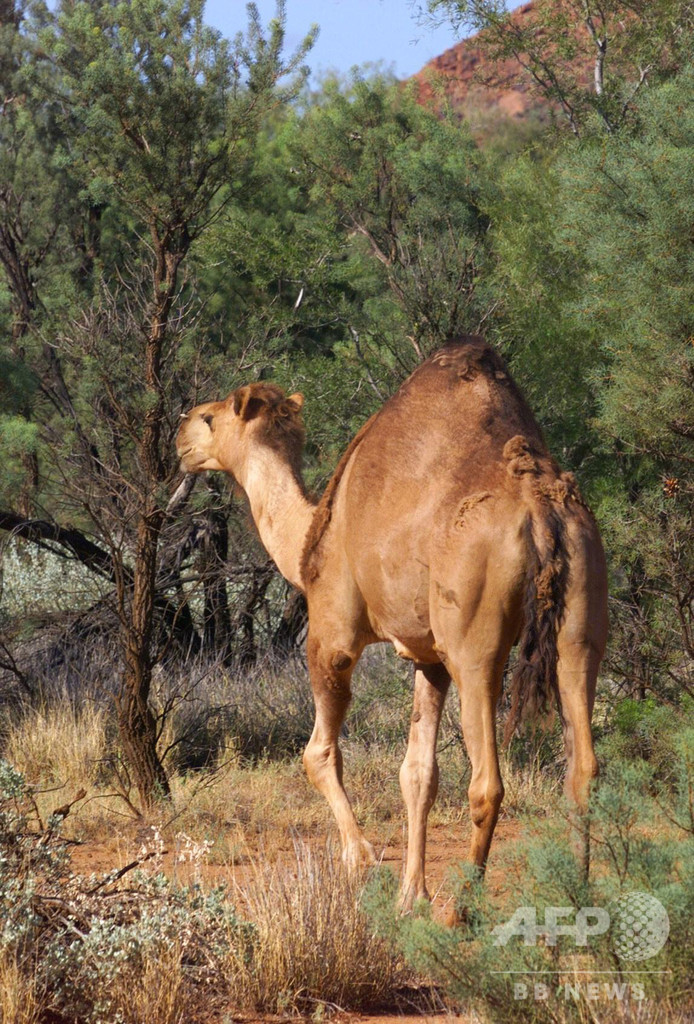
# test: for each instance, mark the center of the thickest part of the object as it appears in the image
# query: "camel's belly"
(402, 618)
(423, 653)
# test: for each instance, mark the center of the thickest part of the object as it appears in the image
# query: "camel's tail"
(534, 677)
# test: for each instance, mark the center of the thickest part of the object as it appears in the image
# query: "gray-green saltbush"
(641, 843)
(133, 946)
(89, 943)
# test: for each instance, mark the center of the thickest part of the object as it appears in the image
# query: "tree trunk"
(292, 624)
(137, 724)
(246, 650)
(138, 727)
(217, 639)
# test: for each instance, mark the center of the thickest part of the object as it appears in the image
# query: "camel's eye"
(208, 418)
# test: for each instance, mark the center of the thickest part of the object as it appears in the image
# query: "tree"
(160, 113)
(632, 214)
(596, 313)
(36, 207)
(401, 188)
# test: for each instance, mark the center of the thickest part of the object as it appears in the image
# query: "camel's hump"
(443, 390)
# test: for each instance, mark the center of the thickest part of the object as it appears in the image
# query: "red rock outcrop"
(464, 78)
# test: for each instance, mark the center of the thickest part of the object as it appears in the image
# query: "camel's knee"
(334, 661)
(485, 800)
(331, 695)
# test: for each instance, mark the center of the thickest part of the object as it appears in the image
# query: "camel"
(449, 531)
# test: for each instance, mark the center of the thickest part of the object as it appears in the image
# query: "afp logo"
(639, 922)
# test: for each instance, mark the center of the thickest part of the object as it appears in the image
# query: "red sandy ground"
(447, 845)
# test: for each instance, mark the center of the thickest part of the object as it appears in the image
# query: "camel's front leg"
(331, 669)
(419, 774)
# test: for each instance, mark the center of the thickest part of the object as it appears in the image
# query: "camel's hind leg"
(578, 669)
(580, 645)
(579, 662)
(577, 674)
(479, 689)
(476, 634)
(331, 669)
(419, 774)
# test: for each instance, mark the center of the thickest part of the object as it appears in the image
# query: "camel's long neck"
(281, 511)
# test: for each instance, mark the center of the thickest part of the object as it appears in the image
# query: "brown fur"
(467, 505)
(324, 508)
(465, 358)
(470, 357)
(449, 531)
(534, 679)
(562, 491)
(520, 457)
(282, 425)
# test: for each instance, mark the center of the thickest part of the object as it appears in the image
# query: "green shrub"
(641, 842)
(133, 945)
(645, 731)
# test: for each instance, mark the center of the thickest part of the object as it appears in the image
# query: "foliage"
(405, 187)
(155, 115)
(595, 275)
(634, 848)
(85, 941)
(358, 252)
(645, 731)
(636, 196)
(132, 945)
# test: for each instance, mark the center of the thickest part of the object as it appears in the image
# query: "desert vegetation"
(181, 214)
(234, 898)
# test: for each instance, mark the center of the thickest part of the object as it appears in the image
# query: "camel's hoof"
(451, 917)
(358, 854)
(465, 919)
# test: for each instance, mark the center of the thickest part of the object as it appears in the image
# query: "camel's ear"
(246, 404)
(296, 401)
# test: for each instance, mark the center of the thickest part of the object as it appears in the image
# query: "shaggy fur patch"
(520, 456)
(467, 504)
(471, 357)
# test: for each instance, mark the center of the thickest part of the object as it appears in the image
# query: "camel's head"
(219, 435)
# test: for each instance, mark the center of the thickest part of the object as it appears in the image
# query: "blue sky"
(351, 31)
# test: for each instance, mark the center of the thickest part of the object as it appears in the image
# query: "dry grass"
(267, 794)
(529, 788)
(157, 994)
(314, 945)
(20, 999)
(250, 800)
(61, 744)
(243, 799)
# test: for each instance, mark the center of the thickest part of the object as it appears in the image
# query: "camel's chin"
(189, 465)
